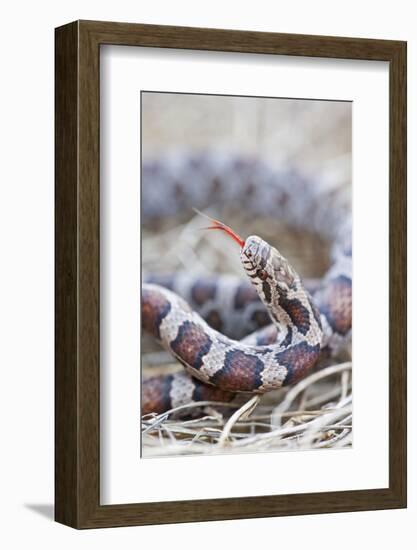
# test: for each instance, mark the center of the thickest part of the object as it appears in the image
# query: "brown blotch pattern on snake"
(203, 291)
(298, 360)
(191, 344)
(240, 372)
(338, 312)
(156, 394)
(155, 307)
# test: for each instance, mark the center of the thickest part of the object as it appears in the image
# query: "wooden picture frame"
(77, 382)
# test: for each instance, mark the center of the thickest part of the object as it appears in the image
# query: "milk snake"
(302, 325)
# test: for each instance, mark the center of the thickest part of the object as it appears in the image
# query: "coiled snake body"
(217, 365)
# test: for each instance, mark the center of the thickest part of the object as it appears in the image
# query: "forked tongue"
(215, 224)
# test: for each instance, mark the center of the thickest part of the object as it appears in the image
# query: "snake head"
(265, 265)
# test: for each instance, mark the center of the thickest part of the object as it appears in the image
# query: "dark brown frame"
(77, 274)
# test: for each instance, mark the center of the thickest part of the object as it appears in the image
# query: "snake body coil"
(302, 326)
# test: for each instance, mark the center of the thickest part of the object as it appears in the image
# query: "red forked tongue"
(215, 224)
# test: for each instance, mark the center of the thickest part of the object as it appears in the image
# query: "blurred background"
(241, 160)
(311, 135)
(311, 138)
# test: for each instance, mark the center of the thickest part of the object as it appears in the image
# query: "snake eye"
(262, 274)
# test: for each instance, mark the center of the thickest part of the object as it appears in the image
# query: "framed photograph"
(230, 274)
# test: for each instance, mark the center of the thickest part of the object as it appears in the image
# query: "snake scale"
(235, 336)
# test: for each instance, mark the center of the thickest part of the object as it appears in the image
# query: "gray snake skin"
(283, 326)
